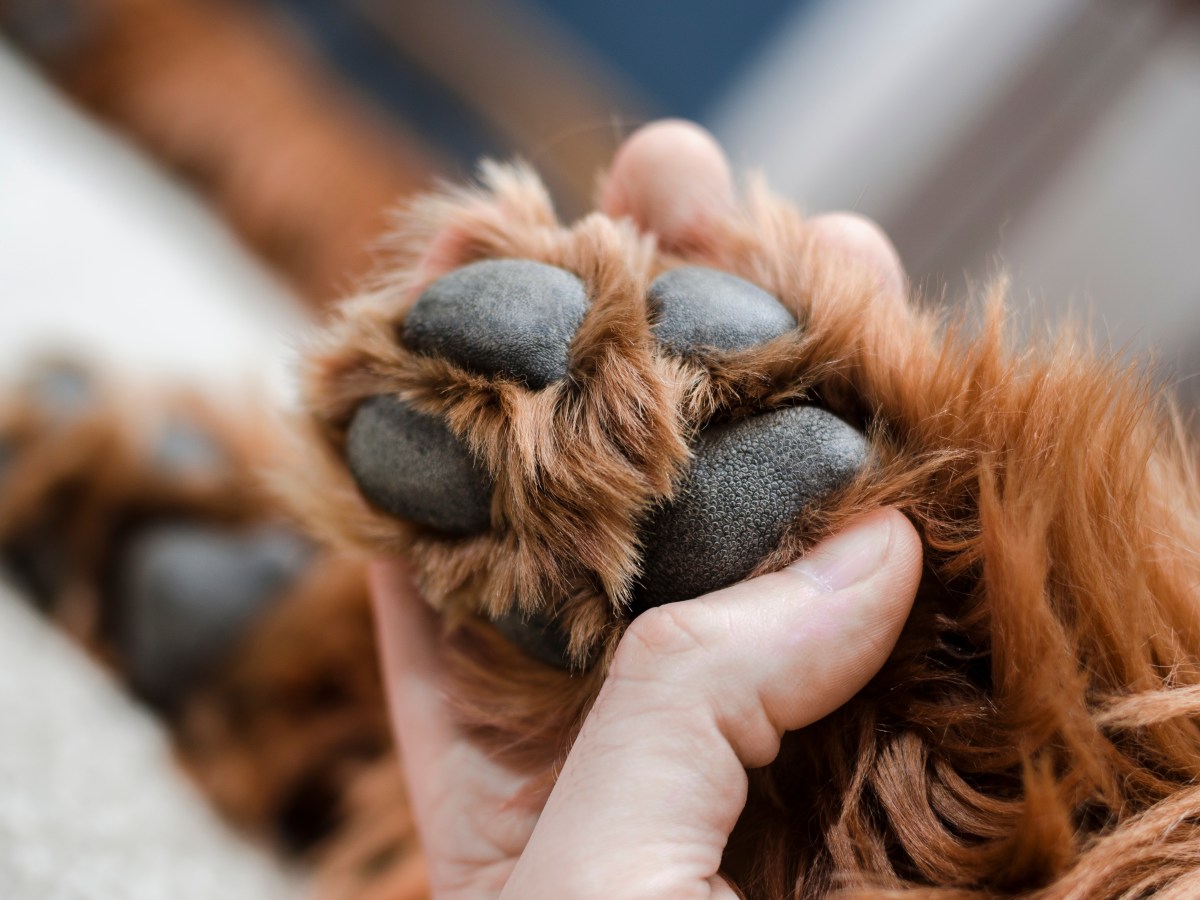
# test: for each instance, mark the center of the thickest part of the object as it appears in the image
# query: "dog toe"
(749, 479)
(512, 317)
(695, 307)
(412, 466)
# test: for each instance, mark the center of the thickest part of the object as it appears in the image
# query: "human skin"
(698, 691)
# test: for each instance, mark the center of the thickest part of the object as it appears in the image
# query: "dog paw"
(564, 429)
(139, 526)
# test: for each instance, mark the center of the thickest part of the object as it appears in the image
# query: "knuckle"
(660, 637)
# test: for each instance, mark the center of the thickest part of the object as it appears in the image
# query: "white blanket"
(91, 804)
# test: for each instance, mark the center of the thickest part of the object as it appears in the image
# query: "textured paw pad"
(412, 466)
(748, 480)
(695, 307)
(509, 317)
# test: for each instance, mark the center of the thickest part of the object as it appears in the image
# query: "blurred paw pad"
(186, 594)
(183, 448)
(748, 479)
(62, 389)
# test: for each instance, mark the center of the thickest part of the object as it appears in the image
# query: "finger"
(407, 632)
(473, 815)
(700, 690)
(861, 242)
(670, 177)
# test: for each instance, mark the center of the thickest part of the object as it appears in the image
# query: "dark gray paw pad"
(412, 466)
(187, 592)
(542, 639)
(694, 307)
(510, 317)
(748, 480)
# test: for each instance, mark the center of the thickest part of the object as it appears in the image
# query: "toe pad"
(510, 317)
(542, 639)
(412, 466)
(186, 594)
(748, 480)
(695, 307)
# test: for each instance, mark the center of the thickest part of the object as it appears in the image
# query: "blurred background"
(186, 184)
(1054, 139)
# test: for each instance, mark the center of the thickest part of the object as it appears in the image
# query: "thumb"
(698, 692)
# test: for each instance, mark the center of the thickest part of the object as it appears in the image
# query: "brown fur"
(281, 733)
(1033, 733)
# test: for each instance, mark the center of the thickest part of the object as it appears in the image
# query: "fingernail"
(851, 556)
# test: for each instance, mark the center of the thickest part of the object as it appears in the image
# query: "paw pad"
(541, 638)
(412, 466)
(188, 591)
(748, 480)
(184, 448)
(694, 307)
(509, 317)
(63, 389)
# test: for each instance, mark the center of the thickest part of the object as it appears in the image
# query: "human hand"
(698, 691)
